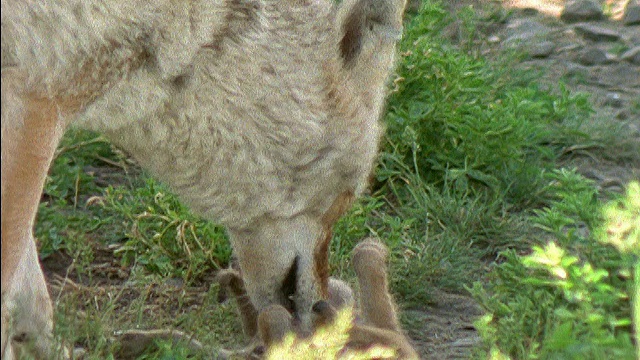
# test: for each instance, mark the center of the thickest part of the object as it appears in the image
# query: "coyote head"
(284, 256)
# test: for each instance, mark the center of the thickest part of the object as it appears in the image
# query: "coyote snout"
(262, 115)
(376, 325)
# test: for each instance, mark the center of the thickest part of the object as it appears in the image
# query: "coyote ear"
(364, 20)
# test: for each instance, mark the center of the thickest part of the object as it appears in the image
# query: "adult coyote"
(262, 115)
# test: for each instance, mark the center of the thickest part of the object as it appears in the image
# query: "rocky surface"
(590, 53)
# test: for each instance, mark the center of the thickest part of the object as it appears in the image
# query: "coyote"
(262, 115)
(377, 323)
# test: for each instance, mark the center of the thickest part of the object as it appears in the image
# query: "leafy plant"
(327, 343)
(468, 122)
(163, 235)
(571, 298)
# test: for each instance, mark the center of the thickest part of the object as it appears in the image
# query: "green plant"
(163, 235)
(467, 121)
(571, 298)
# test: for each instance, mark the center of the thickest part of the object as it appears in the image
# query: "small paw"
(369, 255)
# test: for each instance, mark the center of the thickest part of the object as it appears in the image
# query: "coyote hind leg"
(31, 129)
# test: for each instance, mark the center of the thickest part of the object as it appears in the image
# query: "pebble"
(525, 29)
(541, 49)
(614, 100)
(576, 70)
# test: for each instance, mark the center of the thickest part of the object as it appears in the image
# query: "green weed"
(570, 298)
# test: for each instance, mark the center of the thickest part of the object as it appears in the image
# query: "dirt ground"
(444, 329)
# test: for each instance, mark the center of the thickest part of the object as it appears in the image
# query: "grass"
(470, 195)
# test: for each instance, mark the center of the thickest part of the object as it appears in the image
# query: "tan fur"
(259, 114)
(369, 261)
(321, 252)
(377, 323)
(230, 280)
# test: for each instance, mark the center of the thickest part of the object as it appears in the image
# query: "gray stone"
(613, 99)
(530, 11)
(523, 29)
(592, 56)
(493, 39)
(541, 49)
(632, 55)
(620, 75)
(632, 13)
(596, 33)
(581, 10)
(574, 70)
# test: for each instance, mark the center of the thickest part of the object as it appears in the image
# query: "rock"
(540, 49)
(632, 13)
(581, 10)
(619, 75)
(528, 36)
(596, 33)
(574, 70)
(613, 99)
(493, 39)
(632, 55)
(592, 56)
(525, 29)
(528, 11)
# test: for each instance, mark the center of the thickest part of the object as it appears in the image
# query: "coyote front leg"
(31, 129)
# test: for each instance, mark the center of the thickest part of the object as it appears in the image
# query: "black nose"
(321, 307)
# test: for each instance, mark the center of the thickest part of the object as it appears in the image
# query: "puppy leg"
(369, 261)
(230, 280)
(381, 326)
(340, 294)
(274, 323)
